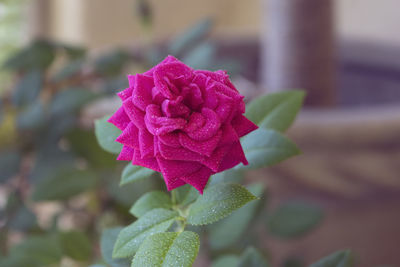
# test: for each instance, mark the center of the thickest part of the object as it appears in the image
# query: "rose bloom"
(182, 122)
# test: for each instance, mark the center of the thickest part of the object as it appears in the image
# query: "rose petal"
(146, 143)
(125, 94)
(174, 153)
(205, 147)
(129, 136)
(236, 156)
(162, 74)
(158, 125)
(134, 114)
(209, 129)
(172, 170)
(142, 93)
(242, 125)
(170, 139)
(126, 153)
(120, 119)
(198, 179)
(150, 163)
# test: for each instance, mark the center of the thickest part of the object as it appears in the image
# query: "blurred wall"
(104, 23)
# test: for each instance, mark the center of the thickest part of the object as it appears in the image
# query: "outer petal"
(146, 143)
(172, 170)
(198, 179)
(173, 153)
(236, 155)
(126, 153)
(150, 163)
(120, 119)
(129, 136)
(243, 126)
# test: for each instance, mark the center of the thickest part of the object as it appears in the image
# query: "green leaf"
(226, 261)
(201, 56)
(228, 176)
(264, 148)
(185, 195)
(38, 55)
(108, 238)
(76, 245)
(70, 100)
(149, 201)
(294, 219)
(168, 250)
(41, 250)
(106, 134)
(32, 117)
(252, 258)
(218, 202)
(190, 37)
(64, 183)
(275, 111)
(28, 88)
(132, 173)
(9, 164)
(229, 230)
(130, 238)
(338, 259)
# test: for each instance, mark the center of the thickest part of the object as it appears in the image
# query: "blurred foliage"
(48, 156)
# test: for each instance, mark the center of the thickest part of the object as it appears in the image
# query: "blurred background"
(64, 60)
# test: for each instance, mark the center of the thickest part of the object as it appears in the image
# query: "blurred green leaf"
(106, 134)
(251, 257)
(132, 173)
(217, 202)
(64, 183)
(226, 261)
(18, 260)
(264, 148)
(69, 70)
(130, 193)
(132, 236)
(294, 219)
(40, 250)
(23, 220)
(32, 117)
(168, 249)
(28, 88)
(38, 55)
(293, 262)
(201, 56)
(150, 201)
(76, 245)
(338, 259)
(74, 52)
(71, 100)
(108, 238)
(9, 164)
(84, 143)
(111, 63)
(229, 230)
(185, 195)
(190, 37)
(275, 111)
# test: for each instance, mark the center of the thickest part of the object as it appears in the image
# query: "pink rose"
(182, 122)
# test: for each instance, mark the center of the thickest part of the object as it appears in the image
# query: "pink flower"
(182, 122)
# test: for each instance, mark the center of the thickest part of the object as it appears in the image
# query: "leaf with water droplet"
(264, 148)
(168, 250)
(132, 173)
(150, 201)
(130, 238)
(217, 202)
